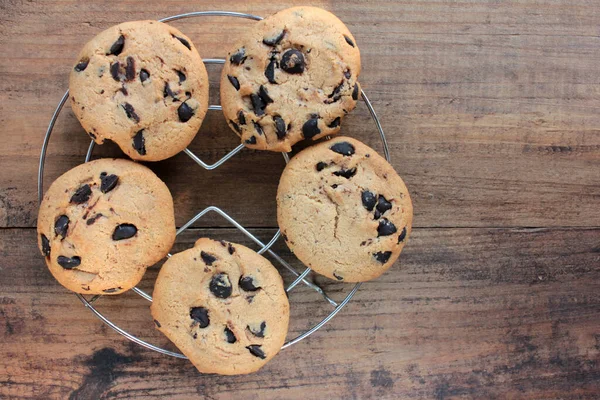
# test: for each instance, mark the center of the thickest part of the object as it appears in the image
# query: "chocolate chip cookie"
(143, 85)
(101, 224)
(223, 305)
(292, 77)
(343, 210)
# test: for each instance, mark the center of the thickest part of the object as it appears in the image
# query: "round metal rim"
(265, 247)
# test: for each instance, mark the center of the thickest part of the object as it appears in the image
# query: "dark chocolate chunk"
(82, 65)
(157, 323)
(258, 128)
(112, 290)
(230, 248)
(264, 94)
(256, 351)
(338, 277)
(335, 123)
(343, 148)
(385, 228)
(200, 315)
(377, 214)
(45, 246)
(383, 205)
(274, 40)
(220, 286)
(144, 75)
(238, 57)
(349, 41)
(321, 165)
(108, 182)
(93, 219)
(130, 69)
(229, 336)
(139, 143)
(234, 81)
(402, 235)
(124, 231)
(82, 194)
(241, 117)
(117, 47)
(114, 71)
(235, 126)
(368, 200)
(61, 226)
(334, 186)
(247, 283)
(347, 74)
(270, 70)
(311, 127)
(252, 140)
(185, 112)
(280, 128)
(130, 112)
(181, 76)
(346, 173)
(335, 94)
(68, 262)
(123, 90)
(258, 331)
(183, 41)
(167, 92)
(355, 92)
(382, 256)
(208, 258)
(292, 61)
(258, 105)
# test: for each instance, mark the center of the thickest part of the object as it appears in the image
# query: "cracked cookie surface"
(292, 77)
(143, 85)
(343, 210)
(223, 306)
(102, 223)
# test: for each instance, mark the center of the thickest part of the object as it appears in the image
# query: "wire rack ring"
(264, 247)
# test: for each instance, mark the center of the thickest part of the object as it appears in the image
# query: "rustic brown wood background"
(492, 112)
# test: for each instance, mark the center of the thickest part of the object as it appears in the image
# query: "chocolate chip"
(181, 76)
(200, 315)
(229, 336)
(157, 323)
(208, 258)
(368, 200)
(377, 214)
(235, 126)
(355, 92)
(252, 139)
(321, 165)
(234, 81)
(238, 57)
(144, 75)
(264, 94)
(256, 351)
(117, 47)
(185, 112)
(385, 228)
(338, 277)
(346, 173)
(349, 41)
(61, 226)
(220, 286)
(343, 148)
(292, 61)
(335, 94)
(45, 246)
(258, 331)
(311, 127)
(139, 143)
(123, 90)
(383, 256)
(92, 220)
(347, 74)
(247, 283)
(280, 128)
(130, 69)
(114, 71)
(402, 235)
(270, 71)
(124, 231)
(183, 41)
(81, 195)
(130, 112)
(335, 123)
(383, 205)
(167, 92)
(108, 182)
(274, 40)
(112, 290)
(68, 262)
(82, 65)
(241, 117)
(230, 248)
(258, 105)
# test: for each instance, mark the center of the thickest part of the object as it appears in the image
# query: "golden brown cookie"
(143, 85)
(343, 210)
(223, 305)
(101, 224)
(294, 75)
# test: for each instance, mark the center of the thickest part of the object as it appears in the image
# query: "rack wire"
(300, 277)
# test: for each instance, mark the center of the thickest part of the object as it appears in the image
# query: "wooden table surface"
(492, 113)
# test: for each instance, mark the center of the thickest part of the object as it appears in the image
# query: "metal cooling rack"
(300, 277)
